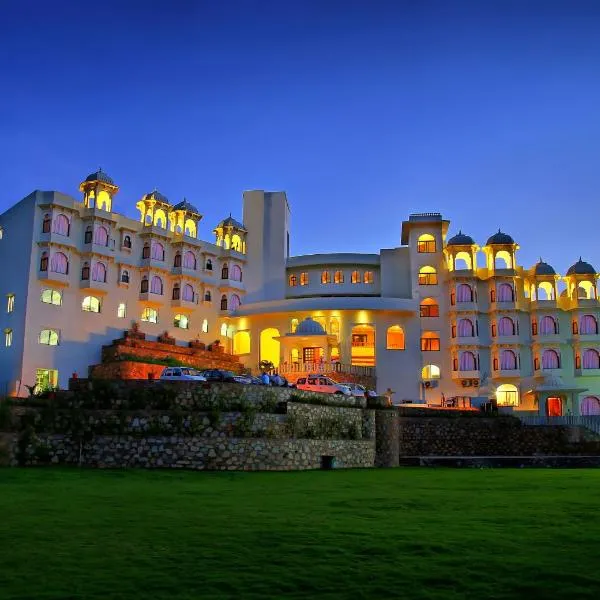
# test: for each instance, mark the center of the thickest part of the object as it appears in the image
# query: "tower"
(98, 191)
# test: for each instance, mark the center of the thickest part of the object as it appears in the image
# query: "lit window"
(10, 303)
(507, 394)
(1, 233)
(205, 326)
(395, 338)
(181, 321)
(430, 372)
(429, 308)
(304, 278)
(368, 277)
(122, 310)
(338, 277)
(8, 337)
(293, 325)
(355, 277)
(90, 304)
(224, 329)
(430, 341)
(150, 315)
(52, 297)
(293, 281)
(45, 379)
(325, 277)
(241, 342)
(427, 276)
(48, 337)
(426, 243)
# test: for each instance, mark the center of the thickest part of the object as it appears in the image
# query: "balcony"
(232, 284)
(504, 305)
(52, 277)
(100, 249)
(152, 298)
(460, 375)
(506, 373)
(94, 286)
(511, 340)
(185, 271)
(466, 341)
(185, 304)
(153, 263)
(591, 338)
(541, 372)
(57, 239)
(96, 212)
(464, 306)
(543, 304)
(587, 372)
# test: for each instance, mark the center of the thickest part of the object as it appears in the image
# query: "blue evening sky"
(487, 111)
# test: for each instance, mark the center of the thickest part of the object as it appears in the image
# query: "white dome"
(309, 327)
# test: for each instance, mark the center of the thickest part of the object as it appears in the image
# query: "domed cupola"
(309, 327)
(155, 209)
(98, 190)
(156, 196)
(542, 269)
(500, 252)
(461, 239)
(581, 281)
(185, 205)
(461, 253)
(184, 219)
(500, 239)
(581, 268)
(231, 234)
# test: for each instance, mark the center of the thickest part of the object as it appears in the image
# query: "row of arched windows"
(338, 278)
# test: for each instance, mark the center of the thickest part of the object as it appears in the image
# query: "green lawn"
(402, 533)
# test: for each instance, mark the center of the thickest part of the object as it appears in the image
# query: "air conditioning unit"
(475, 382)
(427, 384)
(466, 382)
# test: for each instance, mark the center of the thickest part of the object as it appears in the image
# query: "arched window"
(156, 285)
(544, 291)
(235, 302)
(225, 272)
(338, 277)
(177, 260)
(61, 225)
(427, 276)
(125, 277)
(223, 302)
(325, 277)
(293, 325)
(150, 315)
(241, 342)
(550, 359)
(85, 271)
(236, 242)
(505, 293)
(88, 234)
(430, 341)
(127, 241)
(508, 360)
(188, 293)
(46, 224)
(51, 297)
(205, 326)
(207, 296)
(157, 251)
(355, 277)
(588, 325)
(429, 308)
(503, 260)
(467, 361)
(507, 394)
(293, 281)
(465, 328)
(464, 293)
(122, 310)
(506, 326)
(144, 285)
(101, 236)
(44, 261)
(395, 338)
(426, 243)
(585, 290)
(48, 337)
(59, 263)
(209, 264)
(334, 326)
(463, 261)
(236, 273)
(590, 406)
(304, 278)
(181, 321)
(430, 372)
(548, 325)
(146, 251)
(90, 304)
(99, 272)
(591, 359)
(368, 277)
(8, 337)
(176, 292)
(189, 260)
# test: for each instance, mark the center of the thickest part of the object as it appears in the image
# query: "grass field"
(403, 533)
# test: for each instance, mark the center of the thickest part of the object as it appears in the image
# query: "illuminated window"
(181, 321)
(507, 395)
(224, 329)
(430, 372)
(427, 276)
(241, 342)
(293, 325)
(325, 277)
(10, 303)
(368, 277)
(395, 338)
(90, 304)
(303, 278)
(48, 337)
(293, 281)
(150, 315)
(355, 277)
(51, 297)
(429, 308)
(205, 326)
(430, 341)
(45, 379)
(122, 310)
(338, 277)
(426, 243)
(8, 337)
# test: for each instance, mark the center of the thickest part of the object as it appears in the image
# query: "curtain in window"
(550, 359)
(506, 326)
(236, 273)
(590, 405)
(588, 324)
(156, 286)
(467, 362)
(591, 359)
(101, 236)
(547, 326)
(505, 293)
(464, 293)
(99, 272)
(235, 302)
(61, 225)
(59, 263)
(465, 328)
(189, 260)
(188, 292)
(508, 360)
(157, 251)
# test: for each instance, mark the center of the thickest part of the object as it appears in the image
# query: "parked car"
(246, 379)
(358, 391)
(322, 385)
(181, 374)
(219, 375)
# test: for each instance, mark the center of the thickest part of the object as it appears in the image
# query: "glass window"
(293, 281)
(427, 276)
(49, 337)
(122, 310)
(10, 303)
(395, 338)
(181, 321)
(430, 342)
(430, 372)
(368, 277)
(355, 277)
(338, 277)
(45, 379)
(205, 326)
(304, 278)
(52, 297)
(91, 304)
(426, 243)
(150, 315)
(325, 277)
(429, 308)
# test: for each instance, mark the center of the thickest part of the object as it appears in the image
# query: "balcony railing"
(325, 367)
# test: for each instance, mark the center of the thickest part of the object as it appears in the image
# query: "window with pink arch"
(506, 326)
(59, 263)
(157, 251)
(235, 273)
(550, 359)
(464, 293)
(508, 360)
(591, 359)
(467, 361)
(101, 235)
(188, 293)
(505, 293)
(189, 260)
(465, 328)
(548, 326)
(590, 406)
(588, 325)
(61, 225)
(156, 285)
(99, 272)
(235, 302)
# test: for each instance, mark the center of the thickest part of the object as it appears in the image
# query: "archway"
(507, 394)
(363, 345)
(269, 347)
(554, 407)
(241, 342)
(590, 406)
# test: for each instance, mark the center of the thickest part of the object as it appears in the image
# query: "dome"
(185, 205)
(461, 239)
(581, 268)
(309, 327)
(499, 239)
(156, 195)
(100, 175)
(231, 222)
(542, 268)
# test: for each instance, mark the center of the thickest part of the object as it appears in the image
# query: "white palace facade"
(434, 318)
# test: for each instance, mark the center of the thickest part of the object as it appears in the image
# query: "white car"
(322, 385)
(358, 391)
(181, 374)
